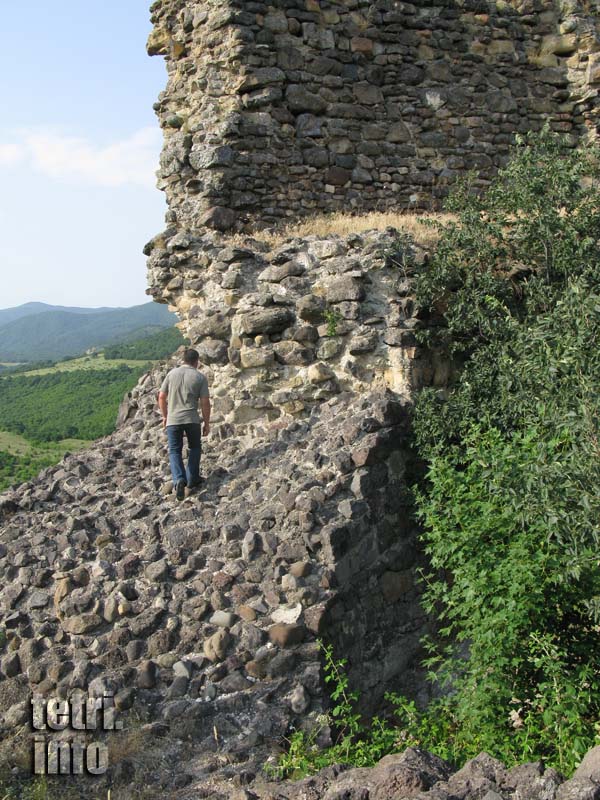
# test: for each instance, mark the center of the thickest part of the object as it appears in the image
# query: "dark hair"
(190, 356)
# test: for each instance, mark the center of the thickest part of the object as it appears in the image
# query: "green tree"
(159, 345)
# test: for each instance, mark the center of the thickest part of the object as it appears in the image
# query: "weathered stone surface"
(340, 289)
(81, 624)
(403, 775)
(219, 217)
(396, 584)
(147, 675)
(224, 619)
(419, 775)
(158, 571)
(252, 357)
(300, 100)
(311, 308)
(10, 666)
(206, 612)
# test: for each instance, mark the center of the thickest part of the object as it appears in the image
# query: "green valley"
(49, 408)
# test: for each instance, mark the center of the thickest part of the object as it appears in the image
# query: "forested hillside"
(55, 406)
(159, 345)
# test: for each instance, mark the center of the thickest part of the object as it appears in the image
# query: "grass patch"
(343, 224)
(15, 444)
(97, 362)
(21, 460)
(18, 445)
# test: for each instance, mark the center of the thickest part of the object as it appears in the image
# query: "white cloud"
(11, 153)
(131, 161)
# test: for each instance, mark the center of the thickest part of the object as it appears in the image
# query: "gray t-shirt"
(184, 387)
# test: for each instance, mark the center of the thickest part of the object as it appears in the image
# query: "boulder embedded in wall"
(311, 308)
(219, 218)
(301, 100)
(252, 357)
(339, 301)
(263, 76)
(265, 320)
(208, 157)
(210, 324)
(338, 290)
(212, 351)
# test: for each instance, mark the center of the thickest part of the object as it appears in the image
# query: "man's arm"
(162, 404)
(205, 403)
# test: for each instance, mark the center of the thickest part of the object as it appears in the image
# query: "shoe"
(196, 484)
(180, 490)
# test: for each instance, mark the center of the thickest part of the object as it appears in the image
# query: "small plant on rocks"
(333, 318)
(359, 743)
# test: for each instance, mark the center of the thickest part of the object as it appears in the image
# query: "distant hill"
(27, 309)
(56, 333)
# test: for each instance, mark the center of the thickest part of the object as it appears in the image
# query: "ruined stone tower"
(280, 109)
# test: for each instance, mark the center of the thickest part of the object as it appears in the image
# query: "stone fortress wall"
(279, 109)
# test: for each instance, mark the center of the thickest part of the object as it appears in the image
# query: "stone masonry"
(279, 109)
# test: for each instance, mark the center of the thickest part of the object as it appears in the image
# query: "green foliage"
(363, 744)
(60, 405)
(60, 788)
(152, 348)
(511, 503)
(357, 743)
(400, 253)
(511, 250)
(35, 790)
(494, 517)
(352, 744)
(333, 318)
(16, 469)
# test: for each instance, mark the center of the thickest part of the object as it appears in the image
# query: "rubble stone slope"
(417, 775)
(205, 613)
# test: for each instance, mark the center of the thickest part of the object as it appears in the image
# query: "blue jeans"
(194, 441)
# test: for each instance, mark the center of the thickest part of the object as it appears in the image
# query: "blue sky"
(79, 146)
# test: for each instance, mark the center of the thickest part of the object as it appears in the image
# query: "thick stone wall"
(308, 329)
(279, 109)
(202, 616)
(285, 327)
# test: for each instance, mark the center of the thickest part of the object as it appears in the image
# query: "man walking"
(178, 402)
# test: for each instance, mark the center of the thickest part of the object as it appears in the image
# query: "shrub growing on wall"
(511, 506)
